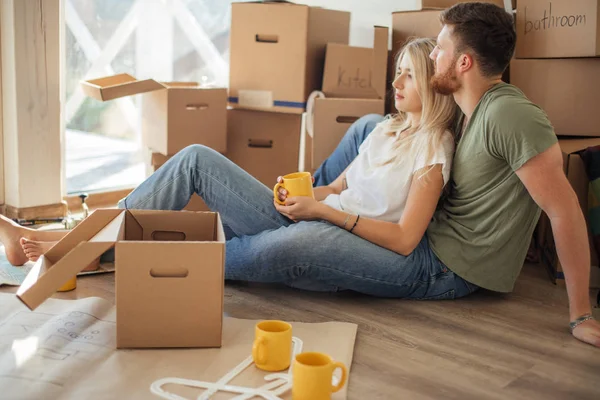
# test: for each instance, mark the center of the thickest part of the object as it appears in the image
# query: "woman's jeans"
(264, 246)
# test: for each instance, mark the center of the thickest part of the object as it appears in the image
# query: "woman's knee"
(198, 155)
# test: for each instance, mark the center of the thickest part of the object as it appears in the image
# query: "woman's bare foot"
(34, 250)
(10, 233)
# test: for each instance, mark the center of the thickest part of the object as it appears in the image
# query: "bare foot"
(34, 250)
(10, 233)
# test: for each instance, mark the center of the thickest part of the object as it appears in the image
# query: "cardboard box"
(278, 51)
(577, 176)
(196, 203)
(357, 72)
(568, 90)
(555, 29)
(174, 114)
(169, 274)
(265, 144)
(331, 120)
(450, 3)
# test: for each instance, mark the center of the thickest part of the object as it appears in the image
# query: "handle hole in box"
(260, 143)
(178, 272)
(196, 107)
(168, 236)
(262, 38)
(344, 119)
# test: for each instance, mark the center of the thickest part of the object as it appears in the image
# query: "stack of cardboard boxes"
(277, 53)
(557, 66)
(354, 85)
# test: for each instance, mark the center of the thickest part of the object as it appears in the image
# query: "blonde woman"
(364, 232)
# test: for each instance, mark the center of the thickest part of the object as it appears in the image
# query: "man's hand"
(300, 208)
(588, 332)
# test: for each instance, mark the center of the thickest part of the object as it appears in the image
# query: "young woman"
(361, 229)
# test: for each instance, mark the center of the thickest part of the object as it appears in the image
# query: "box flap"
(84, 231)
(116, 86)
(53, 269)
(569, 146)
(175, 85)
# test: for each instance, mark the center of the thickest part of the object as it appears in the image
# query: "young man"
(507, 166)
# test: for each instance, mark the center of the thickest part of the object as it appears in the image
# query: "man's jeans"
(264, 246)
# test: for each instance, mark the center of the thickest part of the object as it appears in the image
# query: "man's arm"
(545, 180)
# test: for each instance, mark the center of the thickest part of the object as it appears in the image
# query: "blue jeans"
(264, 246)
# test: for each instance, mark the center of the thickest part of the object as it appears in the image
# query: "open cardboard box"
(169, 274)
(277, 51)
(357, 72)
(174, 114)
(577, 176)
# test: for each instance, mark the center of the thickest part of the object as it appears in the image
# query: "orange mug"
(272, 348)
(296, 184)
(312, 375)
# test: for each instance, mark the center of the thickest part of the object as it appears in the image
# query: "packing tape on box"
(310, 106)
(262, 99)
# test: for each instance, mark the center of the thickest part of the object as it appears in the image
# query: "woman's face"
(406, 97)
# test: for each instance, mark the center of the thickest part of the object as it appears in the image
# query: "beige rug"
(65, 349)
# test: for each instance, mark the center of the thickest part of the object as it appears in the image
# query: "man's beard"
(446, 83)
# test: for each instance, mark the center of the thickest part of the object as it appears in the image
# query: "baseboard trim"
(58, 210)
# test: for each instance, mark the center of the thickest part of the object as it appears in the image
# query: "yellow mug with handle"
(313, 374)
(296, 184)
(272, 348)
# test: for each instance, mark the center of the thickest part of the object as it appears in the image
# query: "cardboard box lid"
(116, 86)
(87, 241)
(570, 146)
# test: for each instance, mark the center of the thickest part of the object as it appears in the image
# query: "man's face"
(445, 80)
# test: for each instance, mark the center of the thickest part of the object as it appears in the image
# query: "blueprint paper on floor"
(66, 349)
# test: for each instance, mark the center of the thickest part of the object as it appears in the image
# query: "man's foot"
(34, 249)
(10, 233)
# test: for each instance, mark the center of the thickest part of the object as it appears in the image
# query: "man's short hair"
(485, 30)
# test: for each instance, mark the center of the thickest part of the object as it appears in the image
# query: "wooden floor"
(487, 346)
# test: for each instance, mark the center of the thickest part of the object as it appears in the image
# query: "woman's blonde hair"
(438, 111)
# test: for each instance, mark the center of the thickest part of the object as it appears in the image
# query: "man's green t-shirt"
(483, 229)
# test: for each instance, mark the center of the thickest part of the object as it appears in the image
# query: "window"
(167, 40)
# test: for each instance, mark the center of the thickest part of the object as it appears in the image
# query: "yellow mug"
(272, 349)
(312, 375)
(296, 184)
(69, 285)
